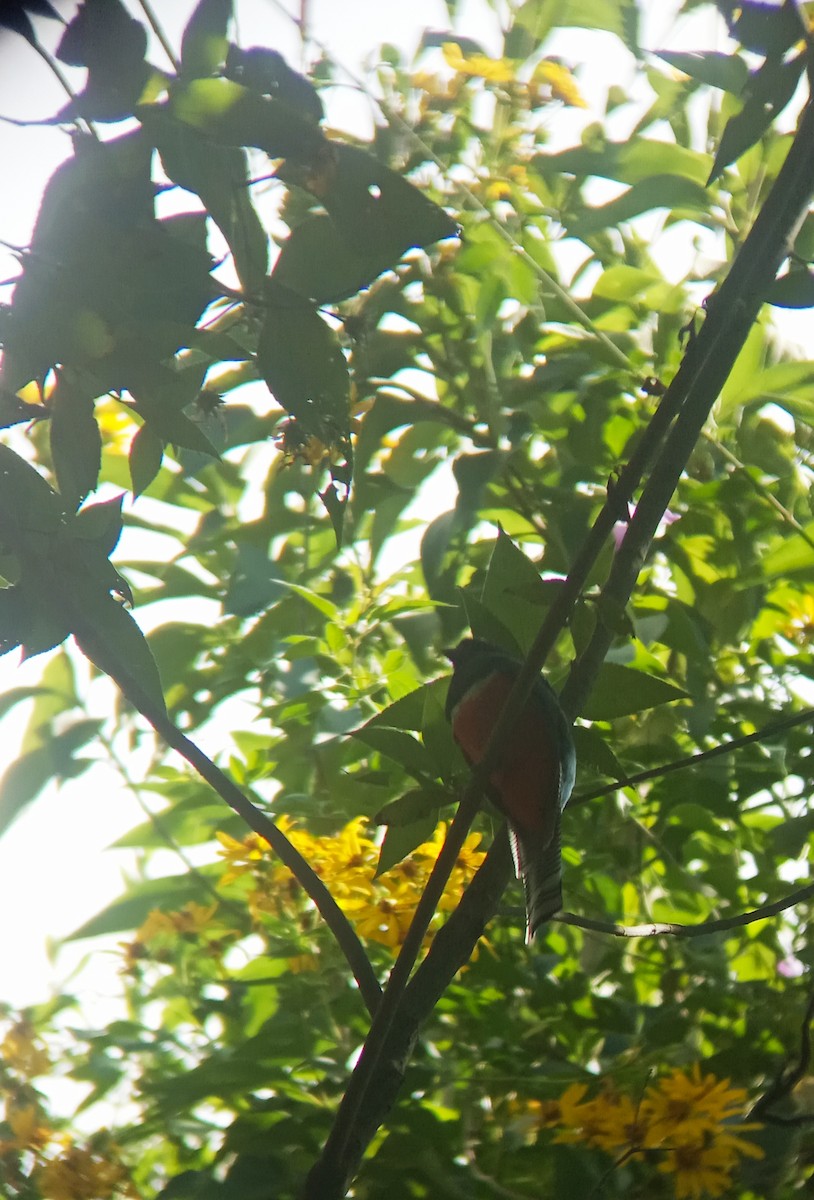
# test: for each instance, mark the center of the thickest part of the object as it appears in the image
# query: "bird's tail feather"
(540, 869)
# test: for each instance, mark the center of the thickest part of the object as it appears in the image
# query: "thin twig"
(788, 517)
(329, 910)
(703, 929)
(157, 29)
(693, 760)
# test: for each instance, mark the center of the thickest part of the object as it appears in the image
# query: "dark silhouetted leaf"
(795, 289)
(76, 444)
(318, 264)
(267, 72)
(764, 28)
(301, 360)
(236, 116)
(376, 211)
(104, 38)
(14, 16)
(146, 454)
(204, 43)
(113, 642)
(219, 176)
(769, 91)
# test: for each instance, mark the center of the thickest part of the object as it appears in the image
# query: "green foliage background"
(354, 356)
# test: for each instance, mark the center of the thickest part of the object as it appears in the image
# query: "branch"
(787, 1081)
(703, 929)
(327, 907)
(692, 760)
(684, 406)
(711, 354)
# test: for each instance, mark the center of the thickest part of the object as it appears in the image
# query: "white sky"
(54, 873)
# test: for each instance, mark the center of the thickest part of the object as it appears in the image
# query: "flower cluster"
(381, 907)
(682, 1119)
(32, 1152)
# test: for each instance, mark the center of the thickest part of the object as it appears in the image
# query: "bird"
(535, 772)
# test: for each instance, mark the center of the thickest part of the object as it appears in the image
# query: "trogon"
(535, 772)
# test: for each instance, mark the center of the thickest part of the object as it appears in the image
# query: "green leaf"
(620, 691)
(593, 751)
(113, 642)
(411, 807)
(300, 358)
(144, 459)
(795, 289)
(30, 773)
(171, 892)
(319, 265)
(794, 553)
(377, 213)
(770, 90)
(657, 191)
(236, 116)
(401, 840)
(76, 444)
(726, 71)
(204, 43)
(400, 746)
(219, 175)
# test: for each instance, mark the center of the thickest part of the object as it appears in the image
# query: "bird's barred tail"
(540, 868)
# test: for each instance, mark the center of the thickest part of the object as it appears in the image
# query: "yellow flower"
(80, 1175)
(692, 1100)
(20, 1051)
(800, 625)
(193, 918)
(559, 80)
(27, 1131)
(698, 1168)
(158, 924)
(480, 66)
(242, 855)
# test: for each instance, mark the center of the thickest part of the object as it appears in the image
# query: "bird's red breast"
(527, 779)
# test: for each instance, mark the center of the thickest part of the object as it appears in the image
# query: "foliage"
(276, 363)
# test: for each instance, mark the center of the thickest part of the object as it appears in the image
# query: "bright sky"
(54, 871)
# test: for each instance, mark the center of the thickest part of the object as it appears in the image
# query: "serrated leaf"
(620, 691)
